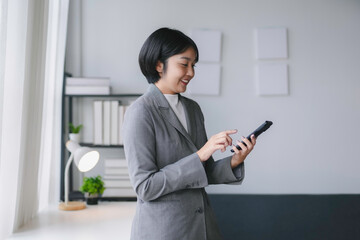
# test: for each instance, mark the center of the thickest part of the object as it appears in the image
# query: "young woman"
(169, 156)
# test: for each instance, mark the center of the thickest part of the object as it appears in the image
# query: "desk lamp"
(85, 159)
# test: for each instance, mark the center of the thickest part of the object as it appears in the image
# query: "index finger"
(231, 131)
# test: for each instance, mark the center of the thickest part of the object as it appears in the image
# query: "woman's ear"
(159, 67)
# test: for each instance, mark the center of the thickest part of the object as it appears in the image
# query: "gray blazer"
(166, 172)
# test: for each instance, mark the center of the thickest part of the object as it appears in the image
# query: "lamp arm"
(67, 177)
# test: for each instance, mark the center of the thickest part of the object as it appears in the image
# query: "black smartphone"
(263, 127)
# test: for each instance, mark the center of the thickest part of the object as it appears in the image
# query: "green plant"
(75, 129)
(92, 185)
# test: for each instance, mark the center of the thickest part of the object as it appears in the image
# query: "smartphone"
(263, 127)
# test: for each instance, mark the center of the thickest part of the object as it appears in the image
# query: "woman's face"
(179, 72)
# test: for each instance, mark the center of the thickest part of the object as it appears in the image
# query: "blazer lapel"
(168, 114)
(190, 118)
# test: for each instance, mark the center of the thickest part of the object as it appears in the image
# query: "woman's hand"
(240, 155)
(217, 142)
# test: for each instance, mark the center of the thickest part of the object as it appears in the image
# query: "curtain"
(50, 190)
(33, 40)
(3, 14)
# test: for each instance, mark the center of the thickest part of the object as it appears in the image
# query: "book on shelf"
(98, 122)
(116, 162)
(85, 81)
(119, 192)
(116, 171)
(87, 90)
(117, 177)
(114, 123)
(122, 109)
(117, 183)
(107, 122)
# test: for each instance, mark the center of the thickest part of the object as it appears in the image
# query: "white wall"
(313, 146)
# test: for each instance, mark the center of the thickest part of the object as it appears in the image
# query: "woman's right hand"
(217, 142)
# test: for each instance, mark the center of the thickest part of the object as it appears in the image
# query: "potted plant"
(93, 187)
(74, 132)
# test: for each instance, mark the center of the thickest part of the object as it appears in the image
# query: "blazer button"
(199, 210)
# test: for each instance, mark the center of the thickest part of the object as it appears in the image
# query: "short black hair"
(159, 46)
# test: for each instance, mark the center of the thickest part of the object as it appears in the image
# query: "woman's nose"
(190, 71)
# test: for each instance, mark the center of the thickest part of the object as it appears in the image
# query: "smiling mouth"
(185, 81)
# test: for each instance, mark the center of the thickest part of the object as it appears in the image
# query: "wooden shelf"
(79, 196)
(67, 116)
(105, 96)
(100, 146)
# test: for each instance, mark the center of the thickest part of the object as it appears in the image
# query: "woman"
(168, 154)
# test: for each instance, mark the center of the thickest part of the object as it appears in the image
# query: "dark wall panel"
(288, 217)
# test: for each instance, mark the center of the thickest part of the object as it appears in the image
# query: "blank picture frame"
(208, 43)
(272, 79)
(271, 43)
(206, 80)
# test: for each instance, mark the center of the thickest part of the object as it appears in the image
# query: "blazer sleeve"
(148, 180)
(220, 171)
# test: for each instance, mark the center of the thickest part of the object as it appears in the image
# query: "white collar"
(173, 99)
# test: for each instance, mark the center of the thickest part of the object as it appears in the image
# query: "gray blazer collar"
(168, 114)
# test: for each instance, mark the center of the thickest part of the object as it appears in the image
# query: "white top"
(177, 107)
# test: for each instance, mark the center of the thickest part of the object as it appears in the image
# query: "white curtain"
(33, 35)
(3, 16)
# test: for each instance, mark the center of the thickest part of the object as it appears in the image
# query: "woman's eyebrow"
(187, 58)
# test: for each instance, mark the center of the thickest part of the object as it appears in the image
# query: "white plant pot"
(75, 137)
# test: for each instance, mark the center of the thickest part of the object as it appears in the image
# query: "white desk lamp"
(85, 159)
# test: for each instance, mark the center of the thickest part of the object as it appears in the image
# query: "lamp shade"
(85, 158)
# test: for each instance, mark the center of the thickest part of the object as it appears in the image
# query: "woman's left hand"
(240, 155)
